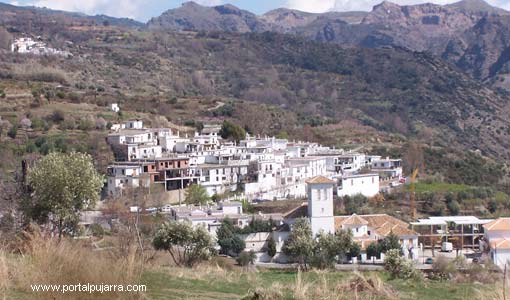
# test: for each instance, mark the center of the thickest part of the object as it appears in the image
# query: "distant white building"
(27, 45)
(115, 107)
(389, 168)
(134, 124)
(364, 184)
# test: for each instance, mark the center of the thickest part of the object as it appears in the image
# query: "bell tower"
(320, 204)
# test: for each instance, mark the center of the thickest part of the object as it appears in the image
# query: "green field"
(440, 187)
(218, 284)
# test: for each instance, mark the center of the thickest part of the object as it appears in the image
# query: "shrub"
(97, 230)
(12, 132)
(399, 267)
(246, 258)
(271, 247)
(38, 124)
(57, 116)
(86, 124)
(68, 124)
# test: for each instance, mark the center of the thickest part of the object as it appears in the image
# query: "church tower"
(320, 204)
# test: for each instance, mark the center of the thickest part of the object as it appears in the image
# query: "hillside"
(47, 21)
(470, 34)
(391, 90)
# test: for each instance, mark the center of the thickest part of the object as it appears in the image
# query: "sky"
(143, 10)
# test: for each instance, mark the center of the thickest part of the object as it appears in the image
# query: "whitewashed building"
(360, 184)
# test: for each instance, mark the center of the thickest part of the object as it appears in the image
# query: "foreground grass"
(181, 284)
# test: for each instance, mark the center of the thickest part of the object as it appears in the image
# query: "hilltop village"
(260, 169)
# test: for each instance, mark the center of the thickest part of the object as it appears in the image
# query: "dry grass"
(37, 72)
(5, 279)
(358, 287)
(69, 262)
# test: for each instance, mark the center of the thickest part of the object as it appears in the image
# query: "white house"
(497, 235)
(367, 229)
(390, 168)
(364, 184)
(134, 124)
(320, 204)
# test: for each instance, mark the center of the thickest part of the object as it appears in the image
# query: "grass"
(441, 187)
(202, 284)
(50, 261)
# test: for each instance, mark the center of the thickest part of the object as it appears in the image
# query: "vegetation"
(196, 195)
(186, 245)
(246, 258)
(231, 131)
(63, 185)
(399, 267)
(299, 245)
(228, 239)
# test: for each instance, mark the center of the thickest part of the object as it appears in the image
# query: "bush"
(246, 258)
(68, 124)
(271, 247)
(399, 267)
(57, 116)
(86, 124)
(12, 132)
(97, 230)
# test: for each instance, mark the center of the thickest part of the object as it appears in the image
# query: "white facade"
(134, 124)
(320, 207)
(364, 184)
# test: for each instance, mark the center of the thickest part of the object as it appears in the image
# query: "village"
(263, 169)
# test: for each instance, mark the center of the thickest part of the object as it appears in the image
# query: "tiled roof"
(355, 220)
(320, 180)
(381, 224)
(500, 244)
(501, 224)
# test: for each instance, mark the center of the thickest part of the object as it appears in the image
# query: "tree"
(12, 132)
(196, 195)
(271, 247)
(231, 131)
(299, 246)
(355, 250)
(373, 250)
(62, 185)
(187, 245)
(453, 207)
(228, 240)
(391, 241)
(246, 258)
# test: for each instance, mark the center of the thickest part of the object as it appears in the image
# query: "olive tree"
(187, 245)
(62, 184)
(328, 247)
(299, 246)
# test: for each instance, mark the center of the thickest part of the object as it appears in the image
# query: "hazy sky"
(143, 10)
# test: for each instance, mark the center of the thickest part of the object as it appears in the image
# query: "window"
(322, 210)
(352, 182)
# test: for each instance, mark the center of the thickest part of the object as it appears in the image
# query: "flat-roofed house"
(360, 184)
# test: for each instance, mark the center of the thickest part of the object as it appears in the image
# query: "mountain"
(192, 16)
(43, 20)
(470, 34)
